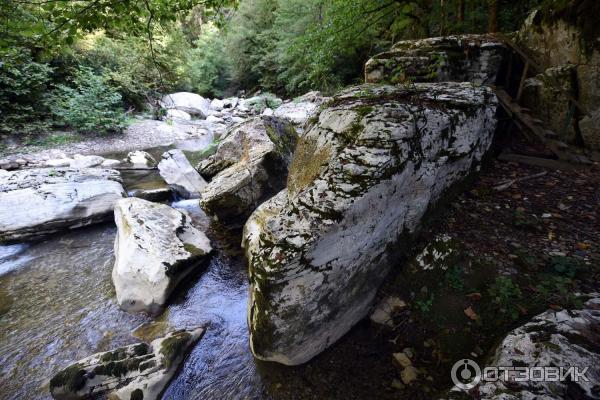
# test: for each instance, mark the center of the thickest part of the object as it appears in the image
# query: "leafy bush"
(89, 105)
(22, 82)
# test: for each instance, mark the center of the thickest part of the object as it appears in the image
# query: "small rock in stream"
(137, 371)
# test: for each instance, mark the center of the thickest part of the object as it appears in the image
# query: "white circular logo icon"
(466, 374)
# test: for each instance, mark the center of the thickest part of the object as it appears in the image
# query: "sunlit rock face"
(249, 165)
(41, 201)
(373, 162)
(461, 58)
(155, 248)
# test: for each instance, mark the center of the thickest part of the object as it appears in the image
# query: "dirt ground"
(513, 253)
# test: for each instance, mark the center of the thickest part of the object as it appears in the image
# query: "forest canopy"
(138, 49)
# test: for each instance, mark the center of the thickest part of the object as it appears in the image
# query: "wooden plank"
(522, 82)
(536, 161)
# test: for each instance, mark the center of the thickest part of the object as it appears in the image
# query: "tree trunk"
(492, 16)
(460, 14)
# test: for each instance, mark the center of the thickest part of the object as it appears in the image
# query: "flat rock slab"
(138, 371)
(38, 202)
(155, 248)
(361, 180)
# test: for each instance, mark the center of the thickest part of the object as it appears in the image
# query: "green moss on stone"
(72, 378)
(173, 346)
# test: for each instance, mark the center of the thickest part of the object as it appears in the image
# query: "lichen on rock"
(378, 158)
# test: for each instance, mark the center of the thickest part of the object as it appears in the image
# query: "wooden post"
(522, 83)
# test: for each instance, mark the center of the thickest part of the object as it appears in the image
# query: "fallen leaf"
(555, 307)
(474, 296)
(583, 246)
(470, 313)
(551, 236)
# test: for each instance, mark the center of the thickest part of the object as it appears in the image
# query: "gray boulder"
(177, 171)
(38, 202)
(249, 165)
(190, 103)
(362, 179)
(138, 371)
(155, 248)
(461, 58)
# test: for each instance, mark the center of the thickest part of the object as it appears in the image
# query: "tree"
(493, 16)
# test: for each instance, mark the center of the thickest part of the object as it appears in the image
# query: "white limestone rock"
(299, 110)
(177, 171)
(140, 159)
(217, 104)
(80, 161)
(249, 165)
(155, 248)
(461, 58)
(137, 371)
(361, 180)
(565, 338)
(58, 162)
(110, 163)
(174, 114)
(190, 103)
(38, 202)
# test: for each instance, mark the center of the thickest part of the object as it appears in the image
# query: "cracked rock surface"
(41, 201)
(138, 371)
(155, 248)
(249, 165)
(362, 178)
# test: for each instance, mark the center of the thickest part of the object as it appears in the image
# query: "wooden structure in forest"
(533, 128)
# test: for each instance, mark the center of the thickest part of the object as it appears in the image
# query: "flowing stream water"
(57, 305)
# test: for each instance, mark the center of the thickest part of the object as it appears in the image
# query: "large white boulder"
(138, 371)
(249, 165)
(362, 179)
(37, 202)
(461, 58)
(177, 171)
(190, 103)
(155, 248)
(567, 338)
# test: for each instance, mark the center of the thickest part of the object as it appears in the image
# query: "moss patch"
(306, 164)
(72, 378)
(173, 347)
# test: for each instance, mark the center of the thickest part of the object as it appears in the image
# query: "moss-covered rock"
(363, 176)
(461, 58)
(138, 371)
(249, 166)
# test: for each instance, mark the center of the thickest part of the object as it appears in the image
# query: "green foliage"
(207, 67)
(424, 305)
(506, 295)
(89, 105)
(22, 82)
